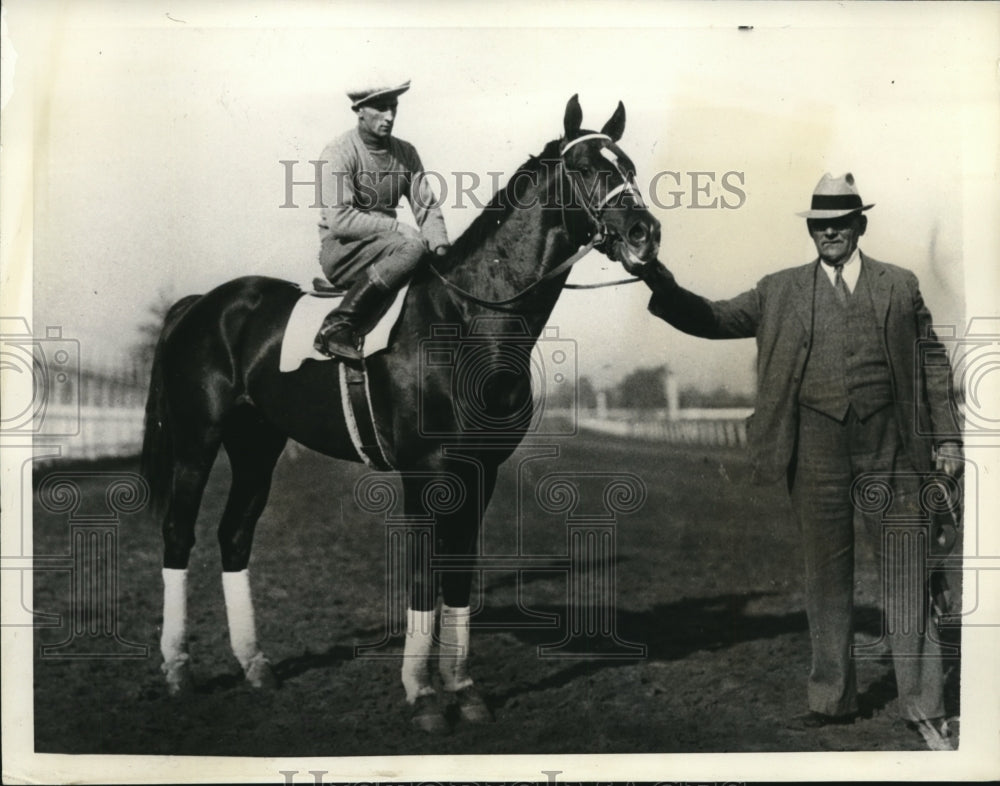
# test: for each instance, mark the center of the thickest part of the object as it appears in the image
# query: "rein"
(619, 282)
(556, 271)
(596, 240)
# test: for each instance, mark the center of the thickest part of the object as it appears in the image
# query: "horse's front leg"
(425, 710)
(458, 536)
(455, 501)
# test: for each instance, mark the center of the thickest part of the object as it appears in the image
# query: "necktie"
(840, 286)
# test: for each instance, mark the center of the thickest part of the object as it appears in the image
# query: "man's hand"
(949, 459)
(632, 264)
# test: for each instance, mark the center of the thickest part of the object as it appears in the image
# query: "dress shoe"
(939, 734)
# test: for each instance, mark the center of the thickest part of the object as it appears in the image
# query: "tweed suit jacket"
(778, 313)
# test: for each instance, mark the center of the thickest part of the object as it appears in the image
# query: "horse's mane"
(501, 205)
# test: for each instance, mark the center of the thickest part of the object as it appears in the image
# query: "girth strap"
(360, 417)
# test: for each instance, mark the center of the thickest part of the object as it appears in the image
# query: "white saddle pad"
(307, 317)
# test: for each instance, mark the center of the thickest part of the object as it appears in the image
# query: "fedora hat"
(368, 94)
(834, 197)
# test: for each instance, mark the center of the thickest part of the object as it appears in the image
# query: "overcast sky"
(158, 135)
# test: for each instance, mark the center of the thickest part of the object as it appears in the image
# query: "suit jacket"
(778, 313)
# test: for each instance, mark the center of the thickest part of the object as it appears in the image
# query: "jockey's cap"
(363, 96)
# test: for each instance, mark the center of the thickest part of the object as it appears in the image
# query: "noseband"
(595, 215)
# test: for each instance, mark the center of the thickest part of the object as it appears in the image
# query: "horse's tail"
(157, 442)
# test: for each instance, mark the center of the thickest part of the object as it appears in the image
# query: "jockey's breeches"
(388, 258)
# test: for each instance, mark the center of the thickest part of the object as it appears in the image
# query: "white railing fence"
(90, 413)
(685, 426)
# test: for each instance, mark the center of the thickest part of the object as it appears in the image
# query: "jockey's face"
(377, 117)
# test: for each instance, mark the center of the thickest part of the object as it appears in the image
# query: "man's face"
(836, 238)
(377, 117)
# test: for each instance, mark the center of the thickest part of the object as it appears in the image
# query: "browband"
(584, 138)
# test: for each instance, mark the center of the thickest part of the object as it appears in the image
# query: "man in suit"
(840, 394)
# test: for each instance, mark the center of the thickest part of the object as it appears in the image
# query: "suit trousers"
(830, 456)
(390, 258)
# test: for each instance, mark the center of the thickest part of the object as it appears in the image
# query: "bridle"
(599, 233)
(595, 215)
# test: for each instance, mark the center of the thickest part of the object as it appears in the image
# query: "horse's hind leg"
(194, 454)
(253, 447)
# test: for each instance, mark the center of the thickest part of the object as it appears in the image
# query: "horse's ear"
(573, 117)
(615, 127)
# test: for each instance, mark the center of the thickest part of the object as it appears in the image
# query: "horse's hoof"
(259, 673)
(472, 706)
(426, 715)
(177, 671)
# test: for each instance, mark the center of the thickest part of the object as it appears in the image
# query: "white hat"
(835, 197)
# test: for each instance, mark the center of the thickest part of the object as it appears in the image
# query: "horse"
(216, 381)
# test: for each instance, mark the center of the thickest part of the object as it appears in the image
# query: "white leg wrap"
(173, 637)
(416, 653)
(239, 613)
(454, 654)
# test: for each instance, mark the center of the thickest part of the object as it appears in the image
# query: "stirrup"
(334, 346)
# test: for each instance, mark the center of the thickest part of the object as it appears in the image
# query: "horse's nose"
(644, 232)
(638, 233)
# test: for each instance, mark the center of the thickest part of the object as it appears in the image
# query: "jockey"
(362, 246)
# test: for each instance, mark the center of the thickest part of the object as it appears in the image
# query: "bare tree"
(149, 331)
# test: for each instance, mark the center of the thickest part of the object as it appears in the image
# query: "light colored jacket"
(361, 194)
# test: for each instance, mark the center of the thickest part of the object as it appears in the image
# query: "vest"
(847, 366)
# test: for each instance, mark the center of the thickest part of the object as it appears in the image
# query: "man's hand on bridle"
(632, 264)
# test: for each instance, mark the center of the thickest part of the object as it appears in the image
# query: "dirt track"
(708, 580)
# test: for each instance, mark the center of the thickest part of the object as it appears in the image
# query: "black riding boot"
(358, 312)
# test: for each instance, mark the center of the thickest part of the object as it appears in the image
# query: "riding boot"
(342, 330)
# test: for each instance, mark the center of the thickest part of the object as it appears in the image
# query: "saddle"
(307, 316)
(323, 288)
(297, 347)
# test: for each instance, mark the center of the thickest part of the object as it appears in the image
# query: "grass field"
(708, 581)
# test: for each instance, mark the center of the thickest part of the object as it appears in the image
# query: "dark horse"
(216, 381)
